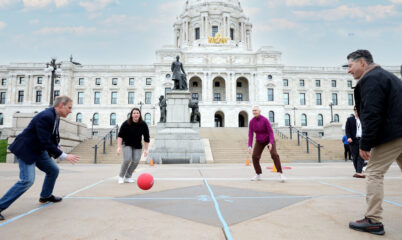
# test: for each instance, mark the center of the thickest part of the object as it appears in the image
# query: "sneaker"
(129, 180)
(359, 175)
(121, 180)
(256, 178)
(50, 199)
(366, 225)
(283, 178)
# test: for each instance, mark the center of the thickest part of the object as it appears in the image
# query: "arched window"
(303, 120)
(271, 116)
(320, 120)
(1, 119)
(78, 118)
(148, 118)
(336, 118)
(113, 119)
(287, 119)
(95, 119)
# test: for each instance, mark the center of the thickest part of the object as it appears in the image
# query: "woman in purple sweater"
(264, 136)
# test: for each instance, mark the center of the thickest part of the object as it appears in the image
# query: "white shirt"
(358, 128)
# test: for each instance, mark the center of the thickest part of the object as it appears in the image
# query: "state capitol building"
(213, 40)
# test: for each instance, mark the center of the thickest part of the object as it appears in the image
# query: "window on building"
(302, 98)
(285, 82)
(148, 118)
(318, 100)
(318, 83)
(130, 97)
(112, 119)
(320, 120)
(349, 84)
(3, 81)
(304, 119)
(336, 118)
(80, 99)
(21, 80)
(80, 81)
(217, 96)
(131, 81)
(238, 84)
(114, 81)
(113, 99)
(231, 34)
(3, 98)
(97, 97)
(333, 83)
(239, 97)
(1, 119)
(148, 96)
(301, 83)
(168, 76)
(195, 84)
(214, 30)
(320, 134)
(286, 98)
(217, 84)
(39, 80)
(39, 96)
(194, 96)
(270, 94)
(56, 93)
(334, 98)
(287, 119)
(95, 119)
(350, 99)
(197, 33)
(78, 118)
(269, 77)
(271, 116)
(97, 81)
(20, 96)
(149, 81)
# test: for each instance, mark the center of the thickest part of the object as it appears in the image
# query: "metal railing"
(103, 140)
(309, 141)
(280, 134)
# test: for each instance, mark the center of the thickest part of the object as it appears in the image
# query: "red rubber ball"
(145, 181)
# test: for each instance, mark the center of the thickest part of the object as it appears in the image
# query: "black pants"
(347, 151)
(357, 160)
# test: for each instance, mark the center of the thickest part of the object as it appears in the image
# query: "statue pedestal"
(177, 140)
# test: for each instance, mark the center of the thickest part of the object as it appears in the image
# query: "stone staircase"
(86, 151)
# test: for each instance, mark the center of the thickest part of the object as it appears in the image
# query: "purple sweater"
(262, 129)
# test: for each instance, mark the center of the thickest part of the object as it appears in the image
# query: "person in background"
(346, 148)
(129, 139)
(353, 131)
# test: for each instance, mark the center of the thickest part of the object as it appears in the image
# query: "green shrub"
(3, 150)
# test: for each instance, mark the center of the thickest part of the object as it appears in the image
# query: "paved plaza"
(212, 201)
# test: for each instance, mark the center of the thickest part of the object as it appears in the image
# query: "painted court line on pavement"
(263, 179)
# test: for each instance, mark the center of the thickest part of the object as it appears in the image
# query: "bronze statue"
(180, 79)
(162, 106)
(193, 104)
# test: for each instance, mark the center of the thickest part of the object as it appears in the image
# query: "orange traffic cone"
(247, 162)
(151, 163)
(274, 169)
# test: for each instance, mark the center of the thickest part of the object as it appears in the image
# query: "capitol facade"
(213, 40)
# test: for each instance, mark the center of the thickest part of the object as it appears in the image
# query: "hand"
(249, 150)
(118, 151)
(269, 146)
(145, 152)
(73, 159)
(349, 140)
(365, 154)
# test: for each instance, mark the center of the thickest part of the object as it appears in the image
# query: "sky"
(307, 32)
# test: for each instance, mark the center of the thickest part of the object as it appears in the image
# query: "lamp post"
(294, 116)
(141, 103)
(92, 128)
(55, 69)
(332, 116)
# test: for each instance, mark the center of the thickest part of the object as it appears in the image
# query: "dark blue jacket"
(378, 96)
(39, 136)
(351, 128)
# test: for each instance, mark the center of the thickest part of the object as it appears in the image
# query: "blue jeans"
(27, 178)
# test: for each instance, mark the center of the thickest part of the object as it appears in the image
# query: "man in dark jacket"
(378, 97)
(34, 147)
(353, 131)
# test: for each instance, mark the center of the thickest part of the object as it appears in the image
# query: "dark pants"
(257, 151)
(357, 160)
(347, 150)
